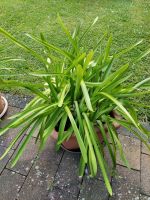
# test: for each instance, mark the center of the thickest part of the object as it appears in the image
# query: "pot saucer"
(5, 107)
(74, 151)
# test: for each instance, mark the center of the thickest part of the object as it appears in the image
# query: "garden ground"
(54, 176)
(128, 21)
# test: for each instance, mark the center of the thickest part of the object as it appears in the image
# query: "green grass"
(128, 21)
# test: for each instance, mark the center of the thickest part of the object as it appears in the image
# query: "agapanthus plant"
(77, 94)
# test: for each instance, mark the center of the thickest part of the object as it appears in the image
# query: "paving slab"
(145, 149)
(109, 165)
(99, 173)
(10, 184)
(108, 157)
(10, 134)
(26, 160)
(41, 176)
(132, 150)
(144, 197)
(10, 112)
(19, 101)
(53, 177)
(145, 174)
(5, 160)
(126, 186)
(93, 189)
(61, 194)
(36, 131)
(123, 131)
(146, 125)
(67, 178)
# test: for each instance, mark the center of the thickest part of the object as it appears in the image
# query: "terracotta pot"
(3, 106)
(72, 144)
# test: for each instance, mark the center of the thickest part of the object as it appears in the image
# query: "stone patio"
(54, 176)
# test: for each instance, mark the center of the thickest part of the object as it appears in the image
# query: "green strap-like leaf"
(79, 77)
(32, 87)
(77, 134)
(86, 96)
(61, 131)
(62, 95)
(82, 162)
(88, 59)
(26, 116)
(75, 62)
(41, 129)
(62, 52)
(87, 30)
(112, 154)
(43, 74)
(20, 120)
(141, 83)
(126, 50)
(107, 49)
(13, 142)
(110, 79)
(128, 126)
(99, 42)
(65, 136)
(50, 126)
(108, 69)
(64, 28)
(134, 94)
(121, 107)
(7, 59)
(91, 152)
(20, 44)
(80, 120)
(118, 144)
(99, 155)
(142, 56)
(25, 142)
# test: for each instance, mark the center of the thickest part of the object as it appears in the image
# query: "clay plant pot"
(3, 106)
(72, 145)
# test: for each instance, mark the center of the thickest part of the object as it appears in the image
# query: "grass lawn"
(128, 21)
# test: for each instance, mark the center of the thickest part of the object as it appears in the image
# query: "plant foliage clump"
(80, 92)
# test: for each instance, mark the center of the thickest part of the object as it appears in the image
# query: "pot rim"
(77, 151)
(73, 137)
(115, 124)
(5, 107)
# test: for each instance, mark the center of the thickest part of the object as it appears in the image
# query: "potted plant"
(3, 101)
(3, 106)
(80, 95)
